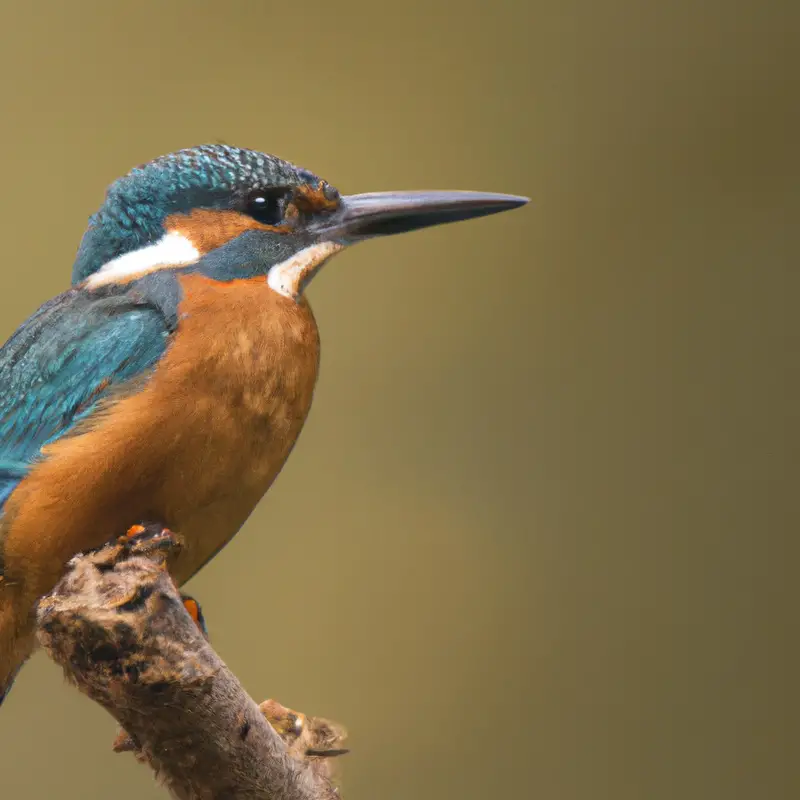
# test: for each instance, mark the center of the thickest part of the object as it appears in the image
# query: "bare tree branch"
(118, 627)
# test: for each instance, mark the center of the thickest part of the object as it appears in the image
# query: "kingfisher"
(172, 379)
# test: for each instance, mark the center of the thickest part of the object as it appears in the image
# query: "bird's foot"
(150, 540)
(195, 612)
(159, 543)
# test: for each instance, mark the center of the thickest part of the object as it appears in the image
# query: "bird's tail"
(15, 645)
(5, 687)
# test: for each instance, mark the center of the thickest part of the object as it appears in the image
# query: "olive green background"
(538, 537)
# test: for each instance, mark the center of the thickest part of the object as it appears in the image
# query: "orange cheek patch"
(310, 199)
(207, 229)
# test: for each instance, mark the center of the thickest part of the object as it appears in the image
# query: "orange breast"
(196, 448)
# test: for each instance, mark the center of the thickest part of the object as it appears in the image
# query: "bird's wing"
(62, 361)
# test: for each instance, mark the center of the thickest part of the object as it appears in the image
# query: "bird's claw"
(195, 612)
(149, 540)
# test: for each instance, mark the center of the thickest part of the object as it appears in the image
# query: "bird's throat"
(290, 277)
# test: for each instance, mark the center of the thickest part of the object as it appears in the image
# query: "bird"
(171, 380)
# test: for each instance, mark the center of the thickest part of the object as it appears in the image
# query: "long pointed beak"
(362, 216)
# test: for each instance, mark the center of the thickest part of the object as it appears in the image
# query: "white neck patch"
(173, 250)
(289, 277)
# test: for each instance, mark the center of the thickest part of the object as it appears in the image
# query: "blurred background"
(538, 538)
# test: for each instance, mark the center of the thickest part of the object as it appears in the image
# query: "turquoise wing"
(62, 361)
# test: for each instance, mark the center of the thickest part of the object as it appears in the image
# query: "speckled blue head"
(208, 176)
(232, 213)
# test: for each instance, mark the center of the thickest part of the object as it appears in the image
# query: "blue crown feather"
(208, 176)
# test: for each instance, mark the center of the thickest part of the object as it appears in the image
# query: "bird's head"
(232, 213)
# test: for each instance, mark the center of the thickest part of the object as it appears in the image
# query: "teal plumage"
(209, 176)
(62, 362)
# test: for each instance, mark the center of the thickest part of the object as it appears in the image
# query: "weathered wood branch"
(118, 627)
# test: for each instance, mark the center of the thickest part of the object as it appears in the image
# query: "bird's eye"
(267, 206)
